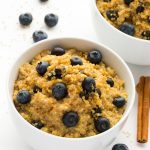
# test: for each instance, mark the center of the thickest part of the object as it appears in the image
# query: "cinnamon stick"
(140, 89)
(143, 90)
(146, 110)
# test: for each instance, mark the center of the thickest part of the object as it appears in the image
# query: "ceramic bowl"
(40, 140)
(131, 49)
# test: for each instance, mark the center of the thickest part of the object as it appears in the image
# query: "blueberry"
(102, 124)
(128, 1)
(84, 95)
(25, 19)
(58, 51)
(51, 20)
(120, 147)
(140, 9)
(76, 61)
(110, 82)
(41, 68)
(39, 35)
(57, 74)
(59, 91)
(146, 35)
(112, 14)
(38, 124)
(94, 56)
(88, 84)
(99, 92)
(23, 97)
(127, 28)
(119, 101)
(36, 89)
(97, 110)
(70, 119)
(43, 0)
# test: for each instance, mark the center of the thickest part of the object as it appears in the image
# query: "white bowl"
(40, 140)
(131, 49)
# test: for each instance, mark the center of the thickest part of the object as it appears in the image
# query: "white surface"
(74, 20)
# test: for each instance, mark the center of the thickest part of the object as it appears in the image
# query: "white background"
(74, 20)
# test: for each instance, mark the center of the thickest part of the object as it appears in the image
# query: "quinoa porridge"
(69, 93)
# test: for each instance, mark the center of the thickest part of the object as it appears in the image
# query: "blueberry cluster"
(50, 20)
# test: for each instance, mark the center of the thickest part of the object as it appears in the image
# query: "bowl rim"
(117, 30)
(26, 123)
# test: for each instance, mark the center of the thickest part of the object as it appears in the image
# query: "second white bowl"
(131, 49)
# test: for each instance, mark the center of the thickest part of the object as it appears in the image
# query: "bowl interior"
(109, 57)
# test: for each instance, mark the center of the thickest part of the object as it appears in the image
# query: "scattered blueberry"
(70, 119)
(120, 147)
(146, 35)
(97, 110)
(88, 84)
(119, 102)
(43, 0)
(38, 124)
(51, 20)
(128, 1)
(84, 95)
(95, 56)
(37, 89)
(102, 124)
(41, 68)
(76, 61)
(99, 92)
(25, 19)
(23, 97)
(139, 9)
(39, 35)
(58, 51)
(110, 82)
(127, 28)
(112, 14)
(59, 91)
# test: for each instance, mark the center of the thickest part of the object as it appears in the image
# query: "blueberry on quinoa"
(102, 124)
(58, 51)
(25, 19)
(55, 74)
(41, 67)
(110, 82)
(146, 35)
(51, 20)
(112, 14)
(39, 35)
(38, 124)
(95, 56)
(140, 9)
(37, 89)
(59, 91)
(127, 28)
(128, 1)
(119, 101)
(76, 61)
(120, 147)
(70, 119)
(89, 85)
(84, 95)
(23, 97)
(148, 19)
